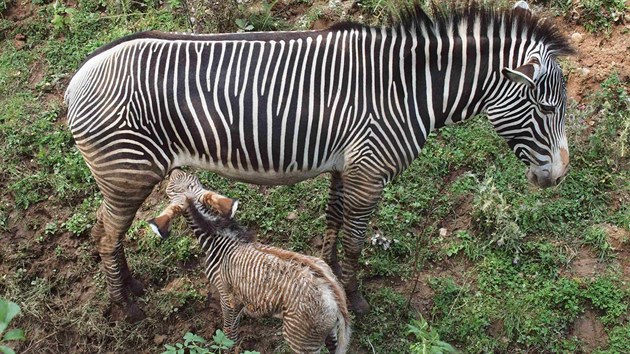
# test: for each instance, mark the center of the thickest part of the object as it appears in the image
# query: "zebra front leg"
(232, 313)
(334, 220)
(360, 200)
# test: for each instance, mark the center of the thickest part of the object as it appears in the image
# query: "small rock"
(584, 71)
(19, 44)
(292, 216)
(19, 41)
(159, 339)
(443, 232)
(577, 37)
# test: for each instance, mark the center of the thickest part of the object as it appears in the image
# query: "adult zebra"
(277, 108)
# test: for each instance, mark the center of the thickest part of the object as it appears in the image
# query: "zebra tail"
(343, 333)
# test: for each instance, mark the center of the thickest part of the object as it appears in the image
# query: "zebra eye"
(547, 109)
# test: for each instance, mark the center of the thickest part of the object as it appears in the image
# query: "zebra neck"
(216, 247)
(438, 76)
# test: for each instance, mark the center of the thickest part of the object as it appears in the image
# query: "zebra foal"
(354, 101)
(256, 279)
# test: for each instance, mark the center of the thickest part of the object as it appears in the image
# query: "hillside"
(491, 263)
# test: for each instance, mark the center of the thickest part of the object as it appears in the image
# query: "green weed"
(264, 19)
(8, 310)
(83, 217)
(618, 340)
(195, 344)
(427, 339)
(495, 218)
(597, 237)
(609, 295)
(594, 15)
(175, 300)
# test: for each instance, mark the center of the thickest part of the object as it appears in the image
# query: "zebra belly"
(262, 177)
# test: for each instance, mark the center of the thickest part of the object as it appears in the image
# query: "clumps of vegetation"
(427, 340)
(610, 296)
(83, 218)
(594, 15)
(171, 301)
(612, 136)
(495, 218)
(597, 238)
(8, 310)
(195, 344)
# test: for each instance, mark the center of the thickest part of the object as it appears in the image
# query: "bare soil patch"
(597, 58)
(590, 331)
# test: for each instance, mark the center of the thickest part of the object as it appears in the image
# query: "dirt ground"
(597, 56)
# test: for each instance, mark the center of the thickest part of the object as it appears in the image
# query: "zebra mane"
(445, 14)
(209, 224)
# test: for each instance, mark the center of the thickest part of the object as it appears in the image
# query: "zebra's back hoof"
(134, 313)
(130, 313)
(357, 303)
(134, 286)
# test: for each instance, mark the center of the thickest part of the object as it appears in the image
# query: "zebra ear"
(234, 207)
(224, 205)
(525, 74)
(521, 5)
(161, 225)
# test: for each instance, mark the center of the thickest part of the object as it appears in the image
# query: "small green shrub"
(84, 217)
(597, 237)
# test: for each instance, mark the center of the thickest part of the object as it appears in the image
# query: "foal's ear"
(526, 74)
(224, 205)
(161, 225)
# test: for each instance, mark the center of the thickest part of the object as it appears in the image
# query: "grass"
(490, 261)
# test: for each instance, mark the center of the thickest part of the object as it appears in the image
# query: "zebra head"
(184, 189)
(530, 115)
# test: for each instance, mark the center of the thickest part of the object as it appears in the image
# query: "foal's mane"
(447, 14)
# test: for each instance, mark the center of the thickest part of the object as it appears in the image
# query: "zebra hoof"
(135, 287)
(357, 303)
(134, 313)
(129, 313)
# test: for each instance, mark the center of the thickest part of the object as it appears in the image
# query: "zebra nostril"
(558, 180)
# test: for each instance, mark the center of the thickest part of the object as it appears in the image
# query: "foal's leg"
(334, 220)
(232, 313)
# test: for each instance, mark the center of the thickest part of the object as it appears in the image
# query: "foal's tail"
(338, 340)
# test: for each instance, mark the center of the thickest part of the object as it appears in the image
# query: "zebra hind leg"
(132, 285)
(113, 220)
(334, 220)
(360, 199)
